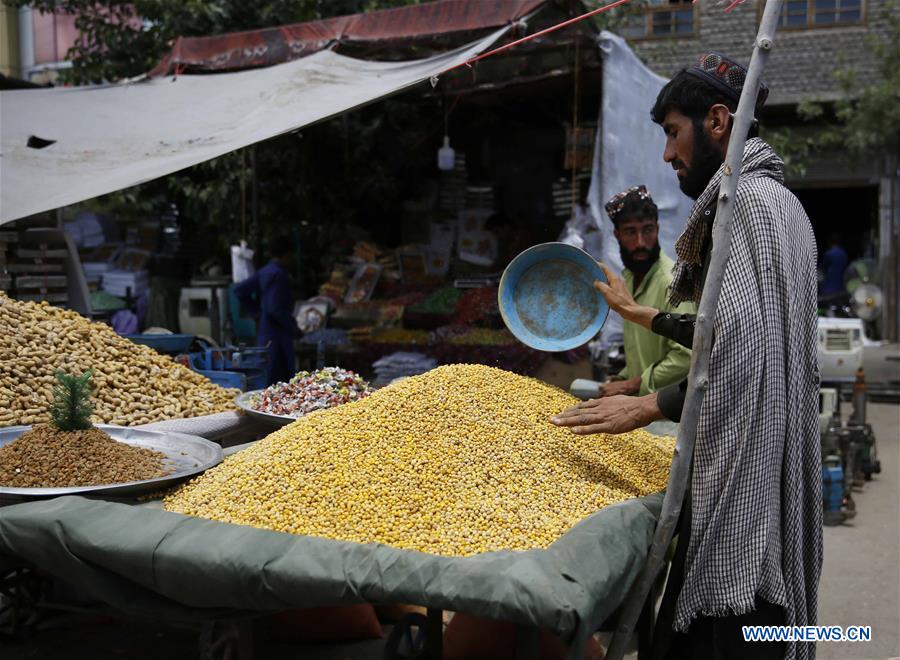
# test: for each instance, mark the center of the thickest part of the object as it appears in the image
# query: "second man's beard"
(706, 160)
(639, 266)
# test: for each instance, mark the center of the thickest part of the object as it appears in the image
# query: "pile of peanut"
(133, 384)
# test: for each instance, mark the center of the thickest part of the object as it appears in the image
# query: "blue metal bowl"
(548, 300)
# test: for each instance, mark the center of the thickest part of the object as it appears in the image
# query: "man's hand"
(614, 290)
(614, 414)
(628, 387)
(620, 299)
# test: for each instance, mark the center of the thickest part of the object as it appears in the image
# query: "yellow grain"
(458, 461)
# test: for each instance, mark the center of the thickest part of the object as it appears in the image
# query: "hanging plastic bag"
(581, 231)
(241, 262)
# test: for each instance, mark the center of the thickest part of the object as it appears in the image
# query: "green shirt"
(657, 360)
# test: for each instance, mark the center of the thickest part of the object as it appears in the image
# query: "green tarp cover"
(152, 563)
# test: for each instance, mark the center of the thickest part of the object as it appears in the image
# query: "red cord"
(538, 34)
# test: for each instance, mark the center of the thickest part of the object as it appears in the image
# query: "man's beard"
(706, 161)
(639, 266)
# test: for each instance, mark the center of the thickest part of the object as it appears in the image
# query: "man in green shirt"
(651, 360)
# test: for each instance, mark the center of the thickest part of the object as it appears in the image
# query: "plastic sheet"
(153, 563)
(130, 133)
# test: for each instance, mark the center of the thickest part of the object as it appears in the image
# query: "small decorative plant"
(71, 409)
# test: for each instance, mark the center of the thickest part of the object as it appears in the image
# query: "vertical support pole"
(26, 42)
(698, 379)
(888, 237)
(254, 201)
(645, 627)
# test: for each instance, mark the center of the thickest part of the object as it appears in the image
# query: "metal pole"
(698, 378)
(26, 42)
(254, 201)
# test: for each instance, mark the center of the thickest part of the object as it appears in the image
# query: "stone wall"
(800, 67)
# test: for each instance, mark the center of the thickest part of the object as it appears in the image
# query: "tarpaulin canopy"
(265, 47)
(64, 145)
(629, 153)
(162, 565)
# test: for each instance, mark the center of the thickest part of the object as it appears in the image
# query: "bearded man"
(750, 537)
(651, 360)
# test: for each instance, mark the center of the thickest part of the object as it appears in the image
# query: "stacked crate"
(37, 265)
(8, 239)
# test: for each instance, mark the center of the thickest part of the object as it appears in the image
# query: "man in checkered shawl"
(750, 540)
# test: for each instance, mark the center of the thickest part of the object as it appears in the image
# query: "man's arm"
(621, 383)
(620, 299)
(629, 386)
(248, 294)
(677, 327)
(676, 363)
(673, 367)
(612, 414)
(670, 400)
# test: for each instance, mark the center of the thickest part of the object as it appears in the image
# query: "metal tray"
(187, 455)
(242, 401)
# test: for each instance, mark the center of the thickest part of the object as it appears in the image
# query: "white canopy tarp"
(629, 153)
(110, 137)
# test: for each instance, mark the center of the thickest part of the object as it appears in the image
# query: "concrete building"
(860, 199)
(33, 45)
(9, 41)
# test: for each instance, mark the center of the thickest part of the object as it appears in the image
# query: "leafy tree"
(121, 39)
(617, 18)
(866, 119)
(71, 409)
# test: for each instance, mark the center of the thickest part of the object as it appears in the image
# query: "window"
(833, 12)
(802, 14)
(662, 18)
(793, 13)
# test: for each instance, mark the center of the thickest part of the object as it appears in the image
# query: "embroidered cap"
(615, 205)
(725, 75)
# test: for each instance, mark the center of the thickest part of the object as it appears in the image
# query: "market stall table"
(150, 563)
(154, 564)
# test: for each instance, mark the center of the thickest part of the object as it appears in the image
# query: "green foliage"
(869, 116)
(865, 122)
(71, 409)
(617, 17)
(126, 38)
(793, 147)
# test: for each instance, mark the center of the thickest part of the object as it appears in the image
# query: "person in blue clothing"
(834, 263)
(268, 295)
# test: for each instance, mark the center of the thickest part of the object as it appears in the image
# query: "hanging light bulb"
(446, 155)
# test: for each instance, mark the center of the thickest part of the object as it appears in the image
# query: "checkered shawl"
(757, 481)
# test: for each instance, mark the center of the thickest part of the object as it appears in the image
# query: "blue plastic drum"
(548, 300)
